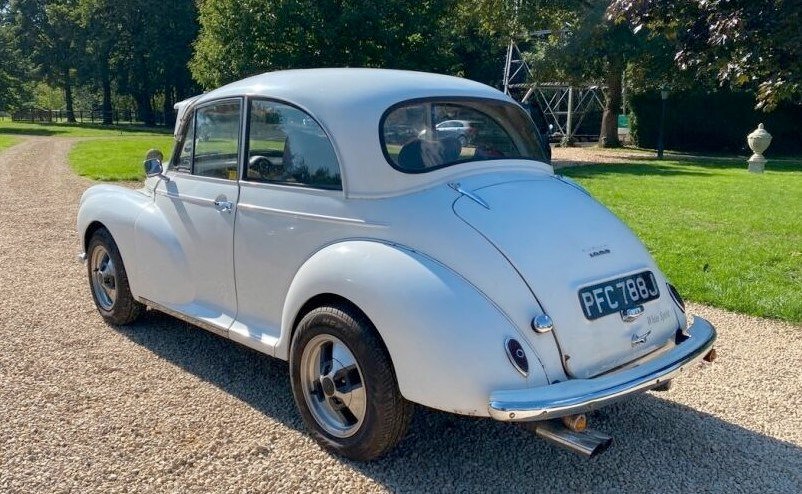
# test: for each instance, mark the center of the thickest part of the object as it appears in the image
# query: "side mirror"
(153, 164)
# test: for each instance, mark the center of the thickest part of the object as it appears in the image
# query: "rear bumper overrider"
(581, 395)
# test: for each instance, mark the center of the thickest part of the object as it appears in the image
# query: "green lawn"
(77, 130)
(7, 141)
(112, 159)
(724, 237)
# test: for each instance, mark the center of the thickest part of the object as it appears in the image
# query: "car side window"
(216, 140)
(287, 146)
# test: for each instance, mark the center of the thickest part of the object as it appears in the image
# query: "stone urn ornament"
(759, 141)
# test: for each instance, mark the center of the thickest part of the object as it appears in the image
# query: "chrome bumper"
(580, 395)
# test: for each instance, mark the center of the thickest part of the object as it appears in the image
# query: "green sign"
(623, 121)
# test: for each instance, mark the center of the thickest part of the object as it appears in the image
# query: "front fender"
(117, 209)
(445, 338)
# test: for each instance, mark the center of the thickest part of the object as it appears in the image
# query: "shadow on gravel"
(259, 380)
(660, 446)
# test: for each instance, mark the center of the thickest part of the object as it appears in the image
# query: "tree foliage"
(138, 47)
(757, 45)
(46, 31)
(12, 65)
(153, 52)
(244, 37)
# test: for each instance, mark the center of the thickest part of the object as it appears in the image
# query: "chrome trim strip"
(467, 193)
(580, 395)
(311, 216)
(303, 189)
(201, 201)
(180, 315)
(186, 175)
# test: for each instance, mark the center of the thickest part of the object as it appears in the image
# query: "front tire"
(109, 281)
(344, 384)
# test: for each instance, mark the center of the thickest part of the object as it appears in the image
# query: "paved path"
(161, 406)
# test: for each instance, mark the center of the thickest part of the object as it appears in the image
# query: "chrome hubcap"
(333, 386)
(104, 277)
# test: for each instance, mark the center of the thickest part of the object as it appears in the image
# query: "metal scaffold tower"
(564, 106)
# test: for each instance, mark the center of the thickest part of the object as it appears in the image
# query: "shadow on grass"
(56, 129)
(641, 169)
(690, 167)
(660, 446)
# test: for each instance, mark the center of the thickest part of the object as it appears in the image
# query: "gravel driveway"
(161, 406)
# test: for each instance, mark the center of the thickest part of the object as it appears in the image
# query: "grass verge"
(724, 236)
(7, 142)
(116, 159)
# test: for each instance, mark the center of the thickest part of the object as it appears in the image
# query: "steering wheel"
(264, 167)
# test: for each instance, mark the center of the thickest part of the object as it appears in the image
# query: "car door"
(193, 271)
(291, 204)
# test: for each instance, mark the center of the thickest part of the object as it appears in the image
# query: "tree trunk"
(68, 97)
(608, 137)
(145, 109)
(169, 101)
(108, 113)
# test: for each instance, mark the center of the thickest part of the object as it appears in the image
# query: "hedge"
(715, 122)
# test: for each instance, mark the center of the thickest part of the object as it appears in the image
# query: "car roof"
(349, 103)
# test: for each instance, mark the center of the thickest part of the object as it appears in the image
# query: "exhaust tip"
(602, 447)
(588, 443)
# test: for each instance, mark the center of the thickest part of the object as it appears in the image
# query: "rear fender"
(445, 338)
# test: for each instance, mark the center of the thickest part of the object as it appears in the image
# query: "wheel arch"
(332, 299)
(442, 332)
(90, 230)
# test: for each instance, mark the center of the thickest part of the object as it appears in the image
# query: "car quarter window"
(184, 162)
(216, 140)
(287, 146)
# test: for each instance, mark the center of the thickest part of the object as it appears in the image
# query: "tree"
(48, 33)
(179, 28)
(12, 64)
(153, 50)
(586, 44)
(756, 45)
(98, 19)
(407, 34)
(581, 46)
(593, 47)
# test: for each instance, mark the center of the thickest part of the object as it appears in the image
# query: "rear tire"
(109, 282)
(344, 384)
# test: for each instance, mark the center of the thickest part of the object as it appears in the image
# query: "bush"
(713, 122)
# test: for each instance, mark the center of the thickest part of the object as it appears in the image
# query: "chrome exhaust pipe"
(587, 443)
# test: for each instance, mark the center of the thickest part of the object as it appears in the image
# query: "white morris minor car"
(319, 217)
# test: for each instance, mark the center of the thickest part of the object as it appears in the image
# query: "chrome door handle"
(224, 206)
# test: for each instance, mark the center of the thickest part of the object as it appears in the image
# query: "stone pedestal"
(759, 141)
(757, 163)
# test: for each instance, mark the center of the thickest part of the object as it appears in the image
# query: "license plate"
(617, 295)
